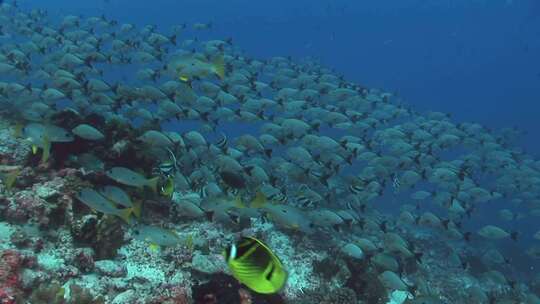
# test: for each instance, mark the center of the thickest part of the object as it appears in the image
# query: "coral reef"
(51, 293)
(12, 150)
(325, 295)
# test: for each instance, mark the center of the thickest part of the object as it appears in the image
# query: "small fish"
(42, 136)
(223, 142)
(255, 265)
(90, 162)
(117, 195)
(168, 188)
(87, 132)
(156, 236)
(98, 202)
(233, 180)
(189, 242)
(191, 66)
(156, 139)
(190, 208)
(202, 26)
(396, 184)
(165, 168)
(168, 168)
(10, 177)
(128, 177)
(495, 233)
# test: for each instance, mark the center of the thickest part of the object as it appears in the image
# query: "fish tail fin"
(209, 216)
(514, 236)
(125, 214)
(154, 247)
(136, 209)
(153, 183)
(10, 179)
(172, 39)
(219, 67)
(18, 130)
(259, 200)
(46, 150)
(238, 202)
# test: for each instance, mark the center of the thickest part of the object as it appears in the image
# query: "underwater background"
(463, 231)
(476, 59)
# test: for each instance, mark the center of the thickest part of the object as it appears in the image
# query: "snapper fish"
(98, 202)
(42, 136)
(129, 177)
(121, 198)
(156, 236)
(87, 132)
(495, 233)
(190, 66)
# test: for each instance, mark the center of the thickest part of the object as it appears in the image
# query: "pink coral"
(25, 205)
(67, 172)
(6, 296)
(10, 264)
(175, 294)
(84, 260)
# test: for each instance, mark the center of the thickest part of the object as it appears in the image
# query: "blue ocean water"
(476, 59)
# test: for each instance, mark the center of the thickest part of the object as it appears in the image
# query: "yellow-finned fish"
(256, 266)
(188, 66)
(168, 188)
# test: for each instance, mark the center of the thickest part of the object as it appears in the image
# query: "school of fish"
(224, 137)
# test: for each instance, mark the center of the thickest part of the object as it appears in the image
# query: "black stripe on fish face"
(244, 246)
(228, 252)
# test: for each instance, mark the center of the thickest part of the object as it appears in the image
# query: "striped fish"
(222, 143)
(255, 265)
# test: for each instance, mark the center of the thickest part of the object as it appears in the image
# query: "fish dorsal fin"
(10, 178)
(152, 183)
(46, 149)
(18, 130)
(219, 66)
(34, 149)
